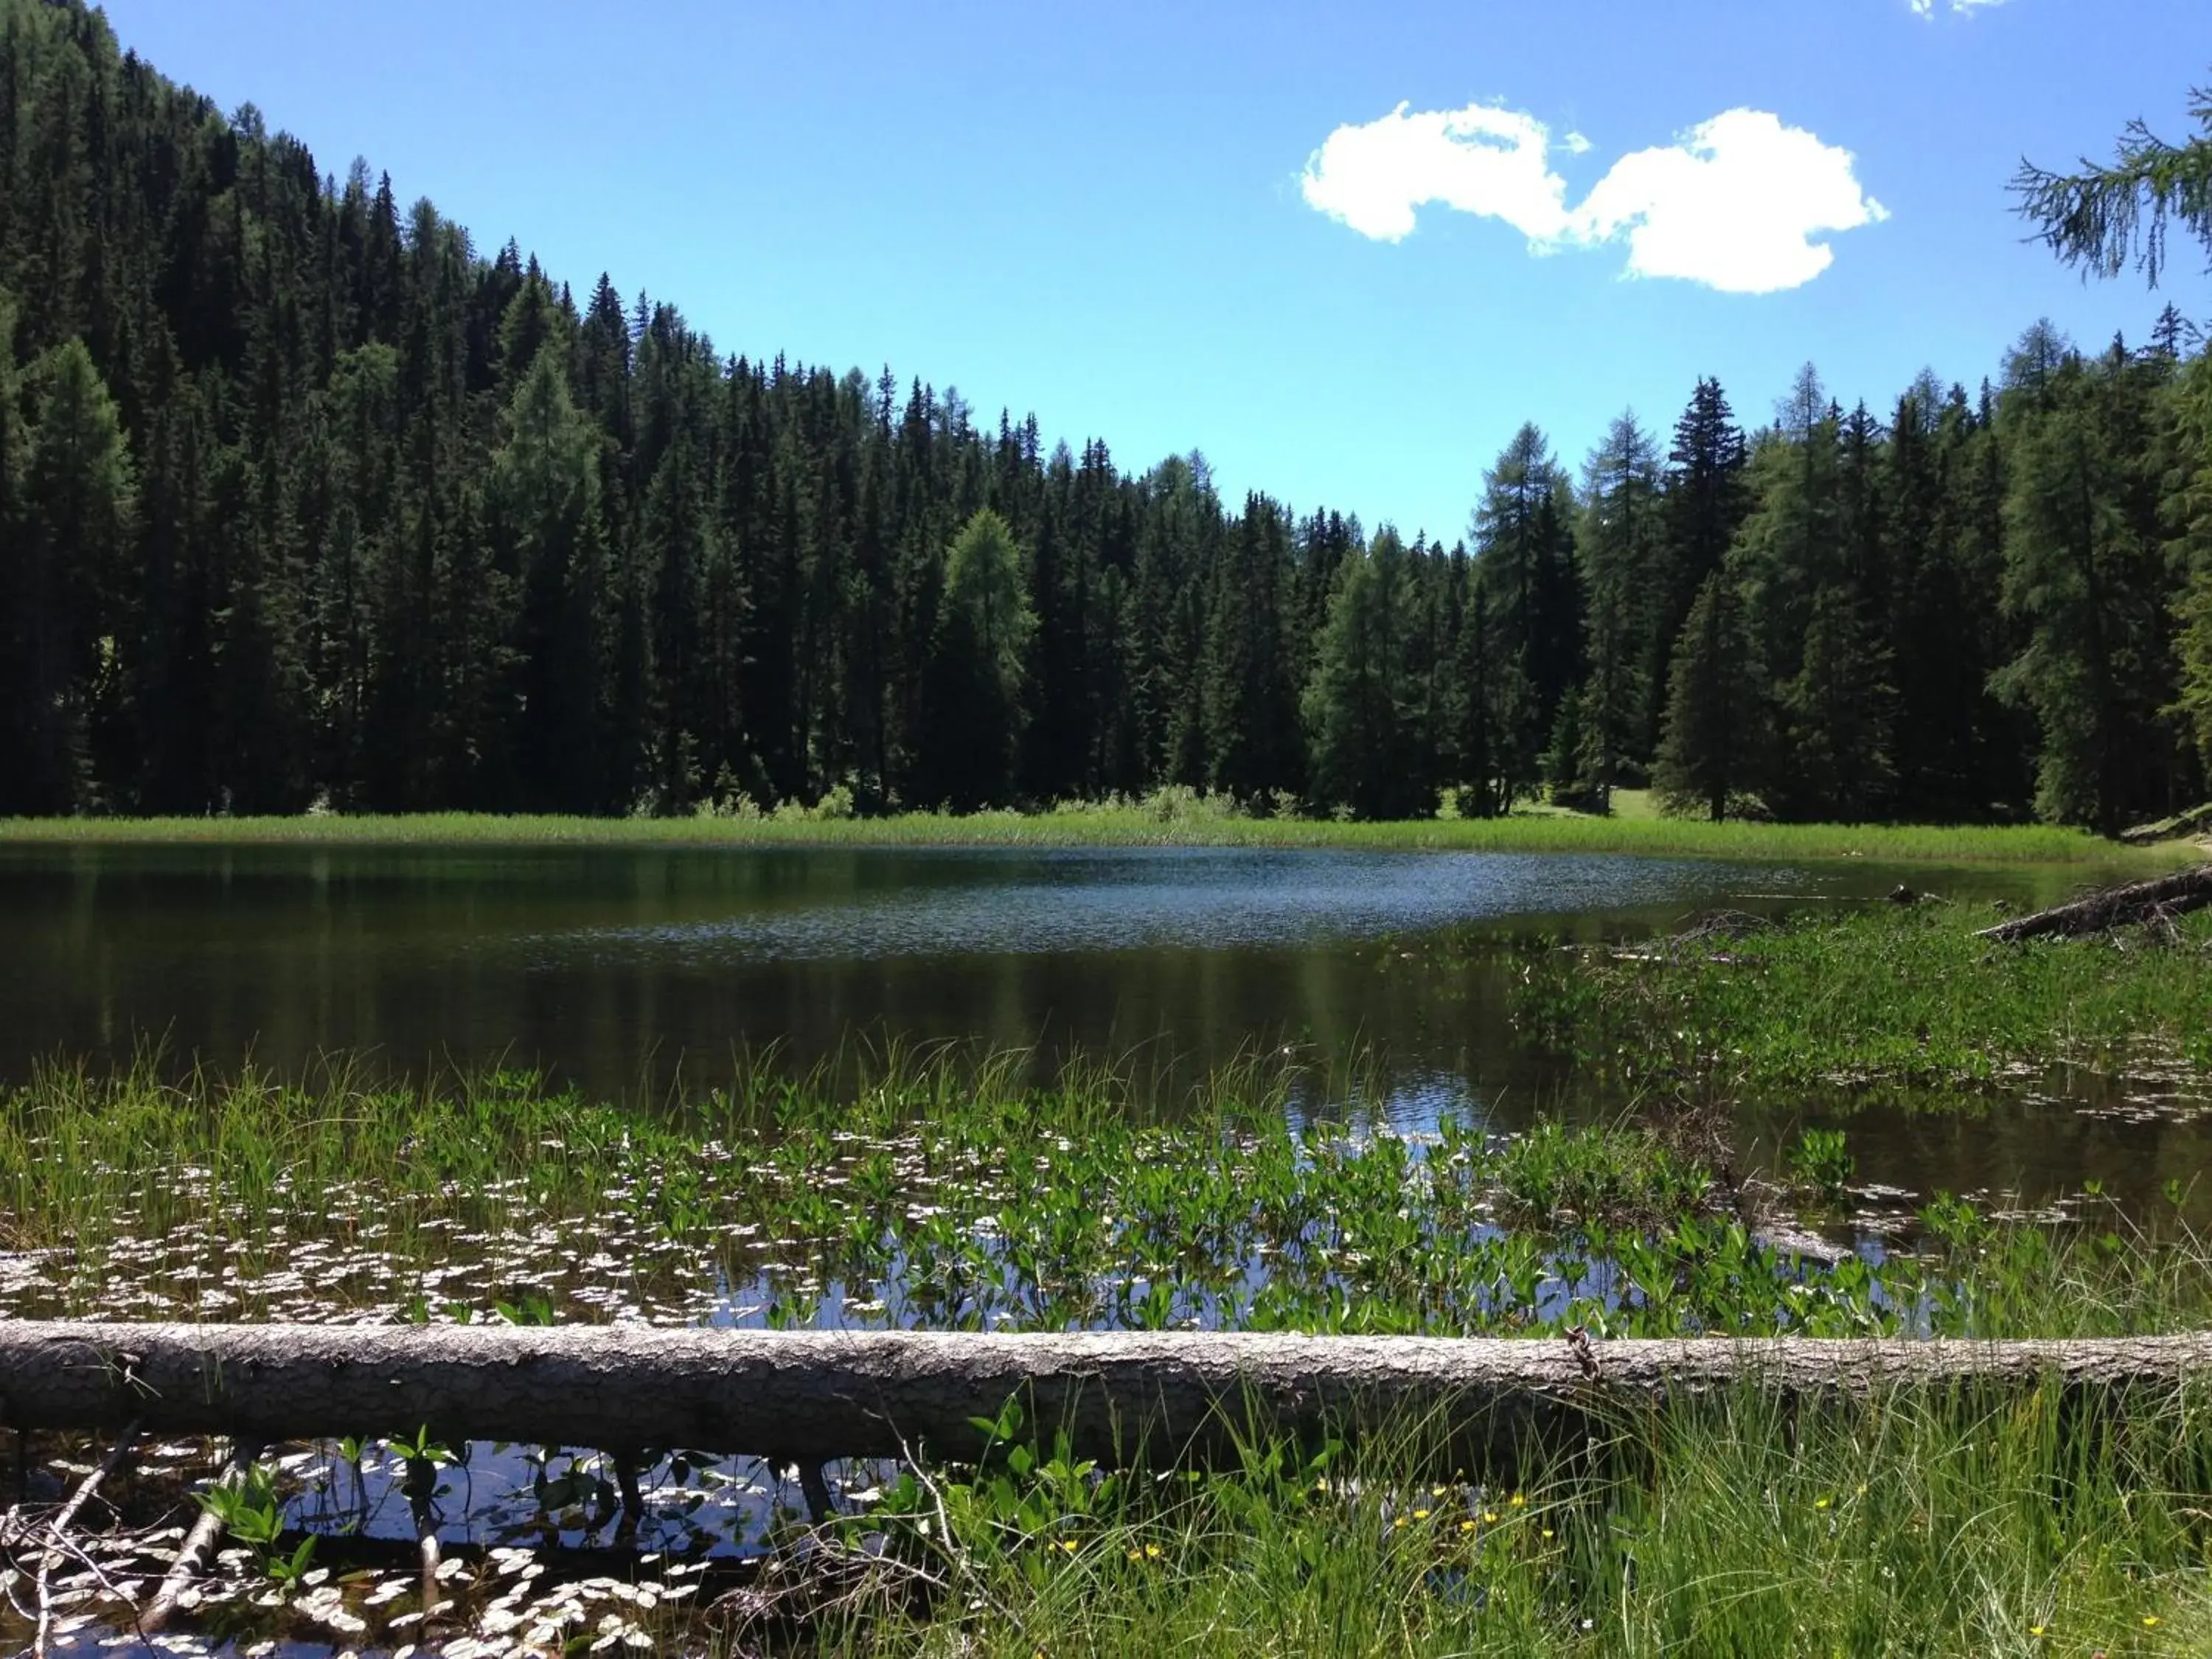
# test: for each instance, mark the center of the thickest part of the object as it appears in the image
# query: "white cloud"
(1734, 203)
(1479, 159)
(1963, 8)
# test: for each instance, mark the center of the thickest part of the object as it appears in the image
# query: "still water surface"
(629, 971)
(612, 965)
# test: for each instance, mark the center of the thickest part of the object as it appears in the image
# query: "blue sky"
(1177, 226)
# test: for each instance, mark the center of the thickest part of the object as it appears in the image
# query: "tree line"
(304, 502)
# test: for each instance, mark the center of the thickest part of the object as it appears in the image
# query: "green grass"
(1890, 996)
(1904, 1526)
(1174, 818)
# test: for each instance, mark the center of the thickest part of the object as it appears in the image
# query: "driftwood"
(808, 1396)
(2158, 900)
(198, 1547)
(57, 1531)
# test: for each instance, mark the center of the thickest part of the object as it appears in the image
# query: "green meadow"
(1171, 818)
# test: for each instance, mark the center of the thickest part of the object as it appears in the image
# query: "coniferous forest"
(306, 501)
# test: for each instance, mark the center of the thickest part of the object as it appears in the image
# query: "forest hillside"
(307, 501)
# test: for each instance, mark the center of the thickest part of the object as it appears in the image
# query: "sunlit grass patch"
(1178, 819)
(1908, 995)
(1902, 1525)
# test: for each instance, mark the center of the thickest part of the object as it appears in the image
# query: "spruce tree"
(62, 567)
(2086, 579)
(1252, 738)
(1526, 562)
(1712, 745)
(1702, 504)
(979, 671)
(1369, 751)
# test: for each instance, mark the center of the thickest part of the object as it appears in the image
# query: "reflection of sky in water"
(1181, 898)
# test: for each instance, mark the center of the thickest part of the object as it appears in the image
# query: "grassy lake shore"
(1176, 820)
(1893, 996)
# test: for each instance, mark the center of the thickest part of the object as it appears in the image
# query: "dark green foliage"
(1704, 506)
(1527, 569)
(63, 571)
(2087, 579)
(1365, 705)
(1254, 745)
(1713, 748)
(304, 502)
(980, 669)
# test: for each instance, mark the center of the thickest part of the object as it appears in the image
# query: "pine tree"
(1715, 730)
(2100, 218)
(1253, 739)
(399, 527)
(1702, 504)
(63, 567)
(2188, 509)
(1525, 561)
(2086, 579)
(543, 519)
(1623, 560)
(1838, 766)
(979, 672)
(1370, 752)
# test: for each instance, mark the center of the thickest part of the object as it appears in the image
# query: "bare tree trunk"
(804, 1397)
(2159, 900)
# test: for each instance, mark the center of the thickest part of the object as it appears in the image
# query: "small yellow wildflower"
(1862, 1491)
(1399, 1521)
(1490, 1518)
(2035, 1629)
(1519, 1502)
(2151, 1621)
(1420, 1515)
(1547, 1532)
(1466, 1526)
(1822, 1502)
(1068, 1544)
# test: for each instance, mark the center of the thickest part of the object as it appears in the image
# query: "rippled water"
(632, 969)
(971, 903)
(619, 966)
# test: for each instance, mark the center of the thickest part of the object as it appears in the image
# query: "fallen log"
(2160, 899)
(810, 1396)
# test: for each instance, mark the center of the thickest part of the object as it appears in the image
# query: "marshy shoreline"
(948, 1190)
